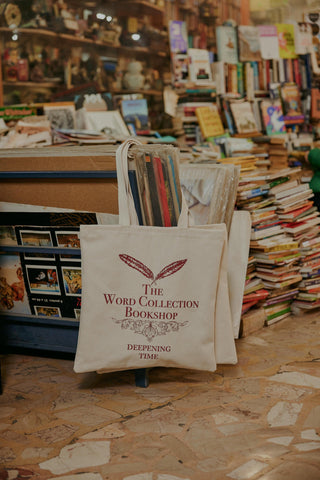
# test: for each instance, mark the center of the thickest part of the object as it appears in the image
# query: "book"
(286, 40)
(249, 43)
(209, 121)
(178, 36)
(272, 116)
(243, 117)
(291, 104)
(155, 202)
(227, 44)
(315, 103)
(199, 66)
(161, 189)
(269, 44)
(302, 38)
(135, 112)
(180, 68)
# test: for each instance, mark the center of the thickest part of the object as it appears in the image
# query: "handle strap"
(127, 210)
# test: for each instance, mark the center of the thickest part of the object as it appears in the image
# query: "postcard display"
(43, 279)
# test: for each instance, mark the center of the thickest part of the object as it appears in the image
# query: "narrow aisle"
(259, 419)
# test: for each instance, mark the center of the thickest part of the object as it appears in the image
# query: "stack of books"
(308, 297)
(278, 153)
(264, 194)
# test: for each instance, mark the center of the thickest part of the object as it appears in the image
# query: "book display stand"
(43, 333)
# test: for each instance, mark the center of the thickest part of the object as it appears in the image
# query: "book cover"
(269, 44)
(291, 104)
(249, 43)
(272, 116)
(180, 68)
(199, 66)
(302, 37)
(209, 121)
(227, 44)
(178, 36)
(286, 40)
(243, 117)
(135, 112)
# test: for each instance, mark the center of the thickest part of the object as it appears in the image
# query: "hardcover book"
(291, 104)
(210, 122)
(269, 44)
(243, 117)
(227, 44)
(249, 43)
(135, 112)
(286, 40)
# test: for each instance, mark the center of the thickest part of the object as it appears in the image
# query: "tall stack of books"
(264, 194)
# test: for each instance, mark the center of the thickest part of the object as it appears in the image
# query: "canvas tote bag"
(149, 293)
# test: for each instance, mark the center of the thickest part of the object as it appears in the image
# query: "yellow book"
(209, 121)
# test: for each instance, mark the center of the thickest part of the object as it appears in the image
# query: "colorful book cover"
(227, 44)
(286, 40)
(199, 66)
(249, 43)
(178, 36)
(269, 44)
(135, 112)
(272, 116)
(291, 104)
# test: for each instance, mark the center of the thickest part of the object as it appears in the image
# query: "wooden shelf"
(73, 39)
(32, 84)
(144, 92)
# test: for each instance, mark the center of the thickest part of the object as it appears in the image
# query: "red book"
(162, 190)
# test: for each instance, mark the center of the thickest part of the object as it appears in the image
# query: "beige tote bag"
(150, 293)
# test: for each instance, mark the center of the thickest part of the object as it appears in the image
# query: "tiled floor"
(259, 419)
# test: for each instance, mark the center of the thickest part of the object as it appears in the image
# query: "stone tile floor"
(259, 419)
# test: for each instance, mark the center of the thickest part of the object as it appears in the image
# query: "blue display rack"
(45, 334)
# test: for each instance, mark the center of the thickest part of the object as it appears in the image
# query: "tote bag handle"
(127, 210)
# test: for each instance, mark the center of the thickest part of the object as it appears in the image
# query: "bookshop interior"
(119, 118)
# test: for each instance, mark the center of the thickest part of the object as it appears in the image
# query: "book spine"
(162, 192)
(169, 193)
(156, 210)
(240, 82)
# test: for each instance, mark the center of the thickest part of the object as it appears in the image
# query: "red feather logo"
(142, 268)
